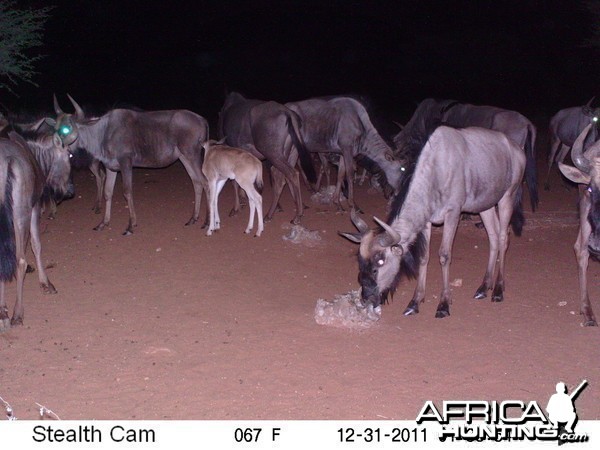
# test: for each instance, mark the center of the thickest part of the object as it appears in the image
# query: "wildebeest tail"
(258, 183)
(517, 220)
(530, 169)
(305, 160)
(8, 258)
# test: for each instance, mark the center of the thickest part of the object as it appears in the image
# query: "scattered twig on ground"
(9, 411)
(46, 413)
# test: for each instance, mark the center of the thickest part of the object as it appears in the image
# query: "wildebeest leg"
(21, 240)
(255, 201)
(127, 177)
(341, 174)
(278, 180)
(445, 254)
(582, 253)
(492, 226)
(4, 318)
(220, 184)
(199, 182)
(100, 177)
(214, 191)
(419, 294)
(505, 210)
(236, 203)
(323, 170)
(348, 162)
(36, 245)
(109, 187)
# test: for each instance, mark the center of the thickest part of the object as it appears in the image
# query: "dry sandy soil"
(172, 324)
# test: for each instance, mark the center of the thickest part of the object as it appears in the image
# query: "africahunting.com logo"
(510, 420)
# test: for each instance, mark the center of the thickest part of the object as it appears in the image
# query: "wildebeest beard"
(594, 220)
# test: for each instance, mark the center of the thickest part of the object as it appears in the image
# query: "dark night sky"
(525, 55)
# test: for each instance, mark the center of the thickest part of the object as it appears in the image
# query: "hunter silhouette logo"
(508, 420)
(561, 409)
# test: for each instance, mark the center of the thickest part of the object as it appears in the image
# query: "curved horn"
(57, 108)
(394, 236)
(360, 224)
(79, 114)
(589, 103)
(577, 155)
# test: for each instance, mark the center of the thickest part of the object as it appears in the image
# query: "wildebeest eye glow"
(595, 119)
(65, 130)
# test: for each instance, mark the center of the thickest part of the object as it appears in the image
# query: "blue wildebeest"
(123, 139)
(586, 173)
(222, 163)
(565, 126)
(513, 124)
(269, 131)
(342, 125)
(38, 133)
(471, 170)
(28, 172)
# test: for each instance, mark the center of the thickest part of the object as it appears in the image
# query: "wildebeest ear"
(354, 237)
(57, 141)
(50, 122)
(574, 174)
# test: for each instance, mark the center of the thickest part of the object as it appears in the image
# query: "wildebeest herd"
(450, 158)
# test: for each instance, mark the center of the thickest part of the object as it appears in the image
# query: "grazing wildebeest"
(27, 173)
(586, 173)
(222, 163)
(123, 139)
(565, 126)
(342, 125)
(471, 170)
(269, 131)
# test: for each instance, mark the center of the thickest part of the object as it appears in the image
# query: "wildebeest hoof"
(498, 295)
(4, 325)
(480, 295)
(590, 323)
(296, 220)
(409, 311)
(233, 212)
(48, 288)
(100, 227)
(128, 232)
(192, 221)
(30, 269)
(442, 312)
(15, 322)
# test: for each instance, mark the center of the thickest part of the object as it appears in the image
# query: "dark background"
(526, 55)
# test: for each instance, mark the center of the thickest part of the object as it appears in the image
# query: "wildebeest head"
(65, 125)
(379, 260)
(587, 173)
(54, 161)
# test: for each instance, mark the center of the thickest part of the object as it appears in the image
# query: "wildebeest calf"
(222, 163)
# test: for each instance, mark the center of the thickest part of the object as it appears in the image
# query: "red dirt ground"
(172, 324)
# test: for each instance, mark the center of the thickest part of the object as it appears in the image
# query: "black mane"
(417, 137)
